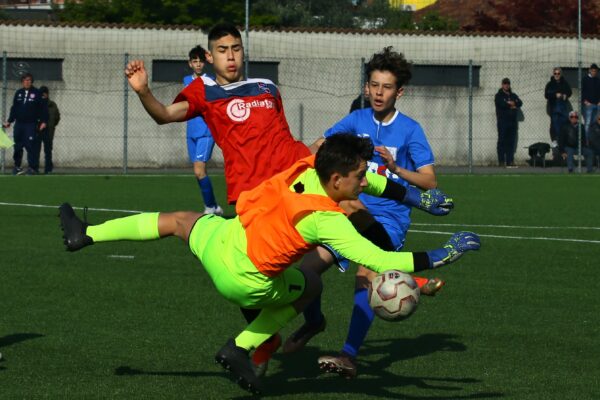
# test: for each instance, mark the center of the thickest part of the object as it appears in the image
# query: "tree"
(555, 16)
(202, 13)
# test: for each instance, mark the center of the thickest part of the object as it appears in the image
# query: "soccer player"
(247, 121)
(249, 257)
(200, 142)
(404, 156)
(246, 117)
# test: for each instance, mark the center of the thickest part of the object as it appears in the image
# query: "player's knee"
(363, 278)
(313, 287)
(200, 169)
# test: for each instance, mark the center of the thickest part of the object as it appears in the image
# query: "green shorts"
(220, 246)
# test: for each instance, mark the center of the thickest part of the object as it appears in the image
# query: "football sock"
(362, 318)
(420, 281)
(135, 227)
(207, 192)
(312, 312)
(268, 322)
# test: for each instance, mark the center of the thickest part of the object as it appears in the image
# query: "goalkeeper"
(249, 257)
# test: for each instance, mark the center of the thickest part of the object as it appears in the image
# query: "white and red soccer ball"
(393, 295)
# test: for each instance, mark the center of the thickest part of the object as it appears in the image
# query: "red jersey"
(247, 121)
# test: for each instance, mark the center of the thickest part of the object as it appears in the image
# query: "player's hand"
(6, 124)
(387, 158)
(434, 201)
(455, 247)
(42, 126)
(137, 75)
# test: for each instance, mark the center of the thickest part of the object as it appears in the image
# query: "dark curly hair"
(342, 153)
(389, 60)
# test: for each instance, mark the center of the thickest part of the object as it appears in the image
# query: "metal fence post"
(4, 92)
(301, 121)
(125, 114)
(579, 133)
(362, 82)
(470, 156)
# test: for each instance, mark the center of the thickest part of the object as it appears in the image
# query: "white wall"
(319, 75)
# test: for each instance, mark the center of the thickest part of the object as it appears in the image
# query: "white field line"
(121, 256)
(411, 230)
(551, 239)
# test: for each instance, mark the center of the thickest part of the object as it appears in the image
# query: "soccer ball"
(393, 295)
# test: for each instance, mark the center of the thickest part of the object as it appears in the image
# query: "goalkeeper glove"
(434, 201)
(454, 248)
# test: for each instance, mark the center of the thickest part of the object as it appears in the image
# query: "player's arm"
(138, 80)
(420, 153)
(433, 201)
(335, 230)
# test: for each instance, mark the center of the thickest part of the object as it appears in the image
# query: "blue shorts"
(396, 231)
(200, 148)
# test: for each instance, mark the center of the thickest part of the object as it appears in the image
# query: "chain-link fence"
(103, 124)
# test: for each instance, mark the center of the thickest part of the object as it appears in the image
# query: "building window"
(43, 69)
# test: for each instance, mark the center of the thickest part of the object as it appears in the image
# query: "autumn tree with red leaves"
(552, 16)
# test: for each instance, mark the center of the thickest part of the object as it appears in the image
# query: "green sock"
(136, 227)
(268, 322)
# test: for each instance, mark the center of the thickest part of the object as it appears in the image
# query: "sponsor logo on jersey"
(263, 87)
(238, 110)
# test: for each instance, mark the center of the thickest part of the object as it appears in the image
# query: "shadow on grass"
(15, 338)
(300, 374)
(125, 370)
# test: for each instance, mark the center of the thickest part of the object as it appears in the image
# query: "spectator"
(568, 143)
(593, 136)
(557, 93)
(47, 135)
(30, 114)
(590, 95)
(507, 106)
(362, 101)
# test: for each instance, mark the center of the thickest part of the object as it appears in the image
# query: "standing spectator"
(590, 95)
(557, 93)
(568, 143)
(593, 136)
(47, 135)
(30, 114)
(362, 101)
(200, 142)
(507, 106)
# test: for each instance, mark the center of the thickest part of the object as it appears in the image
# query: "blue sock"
(312, 312)
(207, 192)
(362, 318)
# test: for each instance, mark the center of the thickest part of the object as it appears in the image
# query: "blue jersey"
(196, 127)
(405, 140)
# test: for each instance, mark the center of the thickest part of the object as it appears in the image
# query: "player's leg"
(315, 322)
(200, 151)
(290, 294)
(144, 226)
(316, 261)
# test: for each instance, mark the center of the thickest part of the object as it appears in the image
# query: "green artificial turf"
(518, 320)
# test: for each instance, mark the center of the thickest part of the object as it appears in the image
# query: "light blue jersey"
(196, 127)
(406, 141)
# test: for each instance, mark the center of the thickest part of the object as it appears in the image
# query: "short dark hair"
(44, 89)
(342, 153)
(221, 30)
(197, 52)
(26, 75)
(389, 60)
